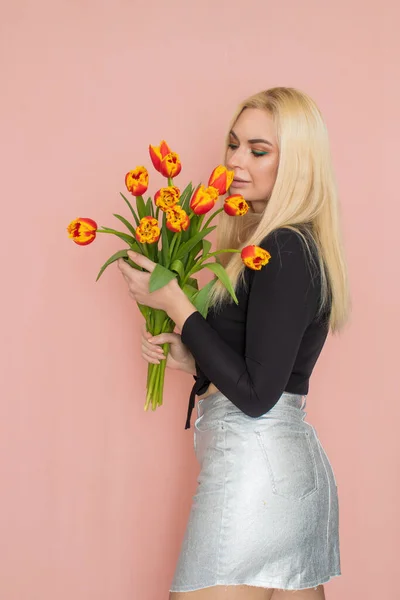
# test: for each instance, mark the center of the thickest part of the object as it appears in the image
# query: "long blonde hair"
(304, 198)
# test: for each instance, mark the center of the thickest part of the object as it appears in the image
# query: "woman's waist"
(212, 389)
(215, 405)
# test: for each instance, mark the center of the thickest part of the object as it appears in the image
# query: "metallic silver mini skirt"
(265, 512)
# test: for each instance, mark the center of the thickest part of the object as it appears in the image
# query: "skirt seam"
(223, 504)
(329, 491)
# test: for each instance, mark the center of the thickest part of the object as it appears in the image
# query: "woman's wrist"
(179, 308)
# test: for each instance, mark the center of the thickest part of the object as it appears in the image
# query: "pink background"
(94, 492)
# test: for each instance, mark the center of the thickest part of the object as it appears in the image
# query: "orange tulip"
(137, 181)
(255, 257)
(170, 165)
(221, 179)
(203, 199)
(235, 205)
(148, 231)
(167, 197)
(177, 219)
(82, 231)
(157, 153)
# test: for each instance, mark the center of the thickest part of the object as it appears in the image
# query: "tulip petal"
(137, 181)
(167, 197)
(235, 205)
(148, 231)
(170, 165)
(82, 231)
(221, 179)
(255, 257)
(203, 199)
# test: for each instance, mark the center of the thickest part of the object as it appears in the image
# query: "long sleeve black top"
(269, 342)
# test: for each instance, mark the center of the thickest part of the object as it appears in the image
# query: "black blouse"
(269, 342)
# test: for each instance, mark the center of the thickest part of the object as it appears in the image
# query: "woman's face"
(253, 156)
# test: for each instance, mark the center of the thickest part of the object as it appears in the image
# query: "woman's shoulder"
(291, 250)
(289, 240)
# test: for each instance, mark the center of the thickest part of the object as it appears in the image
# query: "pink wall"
(95, 492)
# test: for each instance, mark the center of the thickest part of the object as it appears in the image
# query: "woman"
(264, 520)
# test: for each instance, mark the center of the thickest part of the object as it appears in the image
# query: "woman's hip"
(279, 450)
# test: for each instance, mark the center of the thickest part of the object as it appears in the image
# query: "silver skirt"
(265, 512)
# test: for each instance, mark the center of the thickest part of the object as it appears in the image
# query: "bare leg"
(309, 594)
(228, 592)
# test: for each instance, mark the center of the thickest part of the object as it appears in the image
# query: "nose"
(236, 159)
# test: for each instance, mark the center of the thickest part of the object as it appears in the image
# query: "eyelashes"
(256, 153)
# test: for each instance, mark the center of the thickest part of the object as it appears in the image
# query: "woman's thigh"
(227, 592)
(246, 592)
(316, 593)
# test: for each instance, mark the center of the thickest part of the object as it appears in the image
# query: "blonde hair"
(304, 199)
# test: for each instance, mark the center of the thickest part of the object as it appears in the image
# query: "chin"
(256, 206)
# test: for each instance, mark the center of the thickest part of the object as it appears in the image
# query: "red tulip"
(235, 205)
(177, 219)
(148, 230)
(170, 165)
(137, 181)
(82, 231)
(203, 199)
(167, 197)
(255, 257)
(221, 179)
(157, 153)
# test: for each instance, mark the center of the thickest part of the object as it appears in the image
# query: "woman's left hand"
(138, 284)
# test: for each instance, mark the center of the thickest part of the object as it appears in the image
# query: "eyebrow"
(254, 141)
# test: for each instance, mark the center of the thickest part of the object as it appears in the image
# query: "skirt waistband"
(218, 400)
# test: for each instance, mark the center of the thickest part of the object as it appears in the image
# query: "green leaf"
(150, 207)
(223, 277)
(113, 258)
(190, 291)
(128, 225)
(193, 282)
(178, 267)
(191, 243)
(141, 207)
(201, 299)
(123, 236)
(160, 277)
(185, 197)
(212, 216)
(165, 240)
(131, 209)
(206, 247)
(144, 310)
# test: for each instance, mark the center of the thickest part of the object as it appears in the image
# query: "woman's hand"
(170, 298)
(178, 357)
(138, 284)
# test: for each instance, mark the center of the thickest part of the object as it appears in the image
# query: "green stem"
(172, 245)
(199, 222)
(212, 216)
(157, 322)
(217, 252)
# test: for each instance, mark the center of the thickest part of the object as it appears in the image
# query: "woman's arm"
(283, 300)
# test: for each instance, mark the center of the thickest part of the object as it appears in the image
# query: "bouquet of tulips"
(184, 249)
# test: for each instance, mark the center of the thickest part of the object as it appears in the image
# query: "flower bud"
(255, 257)
(82, 231)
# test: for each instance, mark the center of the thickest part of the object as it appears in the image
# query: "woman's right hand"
(179, 357)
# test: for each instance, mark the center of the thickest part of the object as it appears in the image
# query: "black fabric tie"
(199, 388)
